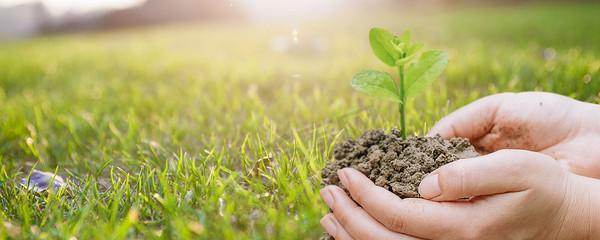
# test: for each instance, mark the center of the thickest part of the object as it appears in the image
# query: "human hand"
(513, 194)
(563, 128)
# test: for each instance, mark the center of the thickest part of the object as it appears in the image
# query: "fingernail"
(327, 197)
(329, 225)
(343, 177)
(430, 187)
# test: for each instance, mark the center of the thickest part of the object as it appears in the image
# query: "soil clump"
(393, 163)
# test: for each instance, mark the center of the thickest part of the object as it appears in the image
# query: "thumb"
(499, 172)
(472, 121)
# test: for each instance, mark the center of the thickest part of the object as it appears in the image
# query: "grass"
(203, 131)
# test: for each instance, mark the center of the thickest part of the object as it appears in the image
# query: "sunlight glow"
(288, 9)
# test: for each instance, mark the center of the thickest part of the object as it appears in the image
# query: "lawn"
(219, 130)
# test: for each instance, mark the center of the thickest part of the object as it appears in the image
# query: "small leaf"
(405, 37)
(382, 45)
(414, 48)
(424, 70)
(379, 84)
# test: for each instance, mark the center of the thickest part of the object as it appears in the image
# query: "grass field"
(203, 131)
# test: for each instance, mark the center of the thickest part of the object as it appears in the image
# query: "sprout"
(416, 70)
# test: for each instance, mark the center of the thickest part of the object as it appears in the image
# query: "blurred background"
(209, 73)
(237, 104)
(27, 18)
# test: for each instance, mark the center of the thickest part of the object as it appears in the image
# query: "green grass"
(202, 131)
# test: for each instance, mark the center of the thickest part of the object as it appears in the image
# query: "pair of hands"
(514, 194)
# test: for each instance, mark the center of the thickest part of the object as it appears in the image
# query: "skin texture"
(520, 190)
(560, 127)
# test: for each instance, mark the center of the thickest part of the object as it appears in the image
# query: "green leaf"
(424, 70)
(405, 37)
(382, 45)
(414, 48)
(376, 83)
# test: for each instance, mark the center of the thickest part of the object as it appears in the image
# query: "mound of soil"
(395, 164)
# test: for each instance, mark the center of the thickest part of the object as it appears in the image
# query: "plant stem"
(403, 97)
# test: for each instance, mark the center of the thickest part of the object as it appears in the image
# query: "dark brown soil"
(395, 164)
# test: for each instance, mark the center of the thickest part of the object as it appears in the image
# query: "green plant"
(415, 69)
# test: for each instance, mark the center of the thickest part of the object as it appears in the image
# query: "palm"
(551, 124)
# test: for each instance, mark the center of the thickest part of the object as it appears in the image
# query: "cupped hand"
(508, 194)
(563, 128)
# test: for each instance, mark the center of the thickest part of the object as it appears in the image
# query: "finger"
(499, 172)
(471, 121)
(334, 228)
(358, 223)
(412, 216)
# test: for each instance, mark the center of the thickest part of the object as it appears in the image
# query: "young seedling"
(416, 69)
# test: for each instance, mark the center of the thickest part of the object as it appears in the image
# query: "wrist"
(583, 214)
(591, 114)
(594, 192)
